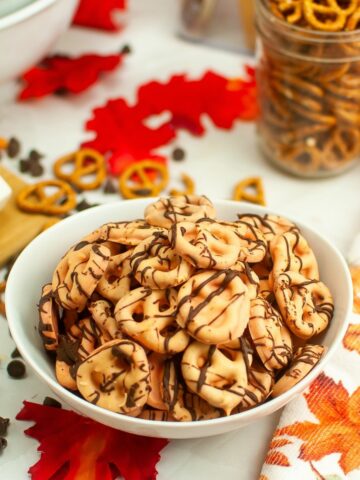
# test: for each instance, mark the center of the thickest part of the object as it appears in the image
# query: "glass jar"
(309, 95)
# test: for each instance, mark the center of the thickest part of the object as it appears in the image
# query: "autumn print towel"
(318, 437)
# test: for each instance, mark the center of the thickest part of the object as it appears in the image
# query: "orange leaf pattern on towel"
(338, 429)
(274, 457)
(351, 340)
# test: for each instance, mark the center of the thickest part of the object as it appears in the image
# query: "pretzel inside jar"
(307, 76)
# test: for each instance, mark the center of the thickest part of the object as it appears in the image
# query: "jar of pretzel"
(309, 84)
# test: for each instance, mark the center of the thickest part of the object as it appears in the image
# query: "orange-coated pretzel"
(258, 388)
(145, 186)
(149, 317)
(306, 305)
(116, 281)
(217, 375)
(86, 162)
(248, 277)
(253, 245)
(78, 274)
(88, 335)
(156, 264)
(129, 233)
(269, 225)
(116, 377)
(183, 208)
(291, 252)
(214, 306)
(48, 318)
(35, 198)
(270, 336)
(189, 185)
(103, 316)
(304, 361)
(205, 244)
(241, 191)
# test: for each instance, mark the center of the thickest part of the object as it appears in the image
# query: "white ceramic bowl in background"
(27, 34)
(36, 263)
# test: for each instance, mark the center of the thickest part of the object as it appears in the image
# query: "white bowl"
(36, 263)
(29, 33)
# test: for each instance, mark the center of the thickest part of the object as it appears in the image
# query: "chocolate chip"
(35, 155)
(126, 49)
(143, 192)
(3, 443)
(178, 154)
(13, 148)
(16, 369)
(24, 165)
(16, 354)
(109, 186)
(84, 205)
(4, 423)
(51, 402)
(35, 169)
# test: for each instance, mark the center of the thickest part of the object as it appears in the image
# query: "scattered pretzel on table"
(145, 185)
(35, 198)
(189, 185)
(241, 191)
(85, 162)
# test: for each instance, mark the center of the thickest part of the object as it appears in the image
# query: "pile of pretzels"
(309, 87)
(181, 316)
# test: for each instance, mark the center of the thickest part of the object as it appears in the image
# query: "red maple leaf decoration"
(77, 448)
(65, 74)
(123, 136)
(98, 13)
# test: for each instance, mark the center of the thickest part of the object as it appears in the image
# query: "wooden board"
(17, 228)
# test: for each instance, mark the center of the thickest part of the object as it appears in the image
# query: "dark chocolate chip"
(3, 443)
(35, 169)
(51, 402)
(178, 154)
(83, 205)
(35, 155)
(109, 186)
(24, 165)
(143, 192)
(4, 423)
(13, 148)
(16, 369)
(126, 49)
(16, 354)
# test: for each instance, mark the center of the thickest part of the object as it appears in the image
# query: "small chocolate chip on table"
(35, 168)
(125, 50)
(3, 443)
(109, 186)
(13, 147)
(16, 369)
(15, 353)
(4, 424)
(35, 155)
(84, 204)
(51, 402)
(178, 154)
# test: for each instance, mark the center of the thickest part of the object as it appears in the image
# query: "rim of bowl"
(82, 405)
(24, 13)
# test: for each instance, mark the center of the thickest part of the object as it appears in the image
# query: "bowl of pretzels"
(178, 317)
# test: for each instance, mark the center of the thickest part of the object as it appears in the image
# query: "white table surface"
(216, 161)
